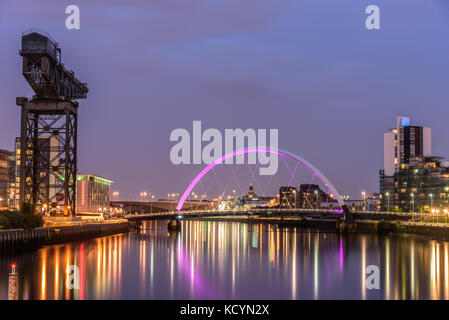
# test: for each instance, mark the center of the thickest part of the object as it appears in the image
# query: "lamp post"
(13, 199)
(431, 201)
(316, 195)
(388, 201)
(364, 204)
(291, 215)
(151, 203)
(413, 201)
(294, 192)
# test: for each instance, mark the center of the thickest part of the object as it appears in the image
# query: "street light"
(431, 201)
(291, 214)
(316, 194)
(151, 203)
(413, 202)
(13, 198)
(364, 204)
(388, 201)
(294, 192)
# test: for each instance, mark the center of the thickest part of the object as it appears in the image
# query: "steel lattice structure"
(48, 156)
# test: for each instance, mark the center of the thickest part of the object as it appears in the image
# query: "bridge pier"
(347, 225)
(174, 225)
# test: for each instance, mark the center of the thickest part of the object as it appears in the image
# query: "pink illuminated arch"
(282, 153)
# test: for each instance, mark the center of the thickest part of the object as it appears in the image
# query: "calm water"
(220, 260)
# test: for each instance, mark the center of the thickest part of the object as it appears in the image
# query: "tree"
(26, 208)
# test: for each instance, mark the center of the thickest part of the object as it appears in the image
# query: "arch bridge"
(347, 215)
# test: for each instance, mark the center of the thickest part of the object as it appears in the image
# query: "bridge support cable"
(331, 190)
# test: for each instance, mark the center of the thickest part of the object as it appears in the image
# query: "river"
(225, 260)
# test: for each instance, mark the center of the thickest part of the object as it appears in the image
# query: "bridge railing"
(274, 210)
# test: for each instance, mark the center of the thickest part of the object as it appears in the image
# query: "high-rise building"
(422, 185)
(412, 179)
(289, 197)
(403, 143)
(50, 175)
(311, 196)
(5, 157)
(15, 177)
(12, 179)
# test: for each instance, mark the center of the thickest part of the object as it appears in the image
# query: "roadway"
(314, 213)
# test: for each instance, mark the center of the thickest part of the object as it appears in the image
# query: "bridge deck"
(375, 215)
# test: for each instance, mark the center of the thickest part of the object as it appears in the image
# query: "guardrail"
(82, 222)
(31, 238)
(274, 210)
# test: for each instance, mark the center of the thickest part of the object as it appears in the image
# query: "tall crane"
(48, 142)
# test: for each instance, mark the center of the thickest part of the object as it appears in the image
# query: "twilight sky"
(309, 68)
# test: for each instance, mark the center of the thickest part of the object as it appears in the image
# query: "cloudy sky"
(309, 68)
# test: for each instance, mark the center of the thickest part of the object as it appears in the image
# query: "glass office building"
(5, 158)
(93, 194)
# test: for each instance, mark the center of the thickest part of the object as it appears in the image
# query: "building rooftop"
(6, 152)
(95, 176)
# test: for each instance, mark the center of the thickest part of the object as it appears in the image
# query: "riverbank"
(435, 231)
(22, 239)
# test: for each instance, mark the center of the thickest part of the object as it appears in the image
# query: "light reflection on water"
(222, 260)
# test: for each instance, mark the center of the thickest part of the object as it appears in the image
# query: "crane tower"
(48, 141)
